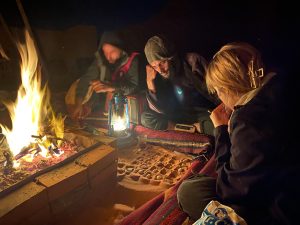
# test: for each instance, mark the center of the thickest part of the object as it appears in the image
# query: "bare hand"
(151, 75)
(220, 115)
(100, 87)
(81, 111)
(197, 126)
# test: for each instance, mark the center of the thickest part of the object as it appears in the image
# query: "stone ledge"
(63, 180)
(66, 202)
(97, 159)
(101, 180)
(60, 191)
(22, 203)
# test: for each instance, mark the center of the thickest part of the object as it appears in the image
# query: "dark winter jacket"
(129, 83)
(184, 90)
(258, 172)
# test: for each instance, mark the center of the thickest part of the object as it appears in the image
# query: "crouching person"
(257, 173)
(177, 91)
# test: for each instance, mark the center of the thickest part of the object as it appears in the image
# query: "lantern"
(118, 116)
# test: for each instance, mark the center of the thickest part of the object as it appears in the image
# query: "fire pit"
(49, 192)
(47, 172)
(12, 178)
(44, 169)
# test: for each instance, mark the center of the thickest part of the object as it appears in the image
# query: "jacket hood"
(110, 37)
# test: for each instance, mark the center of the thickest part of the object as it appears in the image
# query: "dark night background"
(194, 25)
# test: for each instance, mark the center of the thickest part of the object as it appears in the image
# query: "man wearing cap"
(176, 88)
(113, 70)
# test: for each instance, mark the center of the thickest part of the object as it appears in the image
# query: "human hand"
(100, 87)
(197, 126)
(80, 111)
(76, 112)
(220, 115)
(151, 75)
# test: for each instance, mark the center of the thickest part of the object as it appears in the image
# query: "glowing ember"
(32, 163)
(31, 113)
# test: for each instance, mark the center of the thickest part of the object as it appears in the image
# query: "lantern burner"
(118, 117)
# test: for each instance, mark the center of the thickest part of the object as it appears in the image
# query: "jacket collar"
(245, 98)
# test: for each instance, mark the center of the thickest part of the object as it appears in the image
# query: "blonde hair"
(236, 67)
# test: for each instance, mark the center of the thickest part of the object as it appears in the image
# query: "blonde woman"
(256, 171)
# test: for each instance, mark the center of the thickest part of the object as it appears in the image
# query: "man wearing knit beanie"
(159, 49)
(176, 88)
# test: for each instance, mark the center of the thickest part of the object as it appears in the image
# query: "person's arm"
(220, 118)
(223, 144)
(154, 102)
(91, 74)
(101, 87)
(242, 161)
(81, 110)
(151, 75)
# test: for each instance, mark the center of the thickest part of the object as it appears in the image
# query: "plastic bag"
(217, 214)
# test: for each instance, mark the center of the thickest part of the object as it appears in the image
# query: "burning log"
(94, 118)
(51, 138)
(53, 149)
(45, 142)
(49, 142)
(8, 162)
(25, 151)
(8, 159)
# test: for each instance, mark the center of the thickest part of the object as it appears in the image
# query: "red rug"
(163, 209)
(181, 141)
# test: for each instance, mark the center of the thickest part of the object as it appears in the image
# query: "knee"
(207, 127)
(195, 193)
(154, 120)
(183, 194)
(186, 201)
(145, 119)
(148, 120)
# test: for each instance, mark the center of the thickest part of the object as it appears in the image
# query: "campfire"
(36, 138)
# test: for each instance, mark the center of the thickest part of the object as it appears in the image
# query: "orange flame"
(32, 107)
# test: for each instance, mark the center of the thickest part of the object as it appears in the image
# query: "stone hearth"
(54, 194)
(104, 185)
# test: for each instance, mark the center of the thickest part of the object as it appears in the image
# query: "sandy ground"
(136, 184)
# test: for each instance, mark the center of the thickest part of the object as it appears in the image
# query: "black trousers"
(195, 193)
